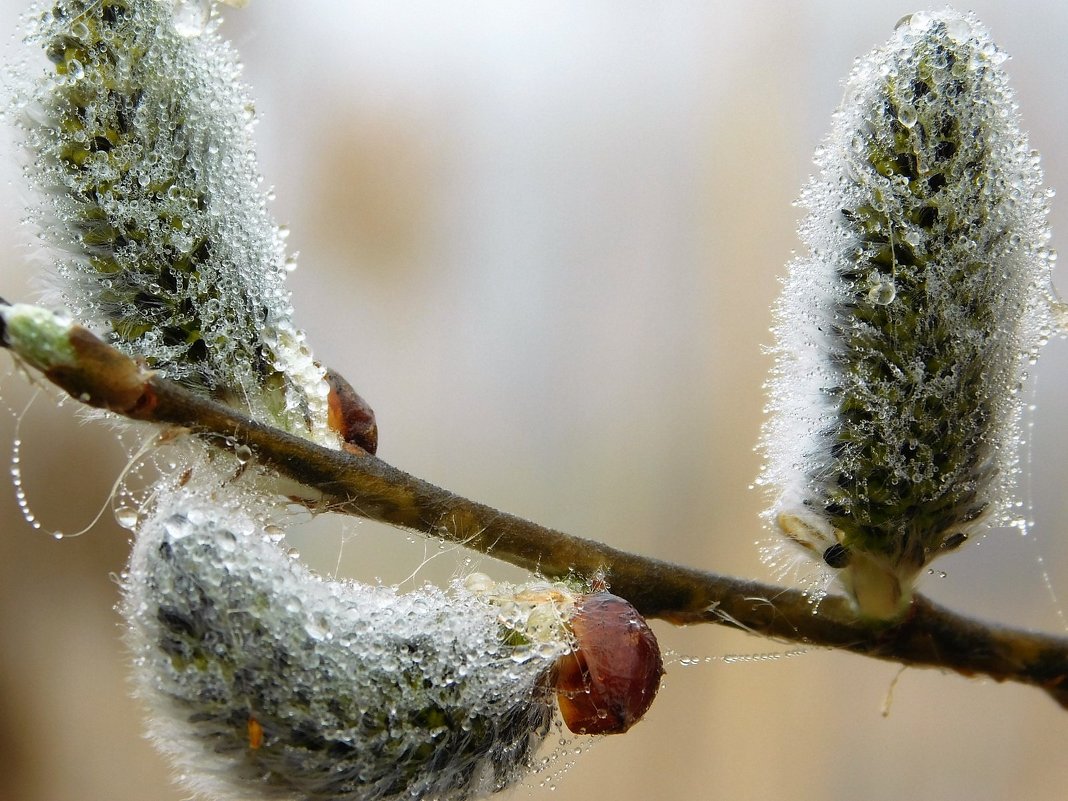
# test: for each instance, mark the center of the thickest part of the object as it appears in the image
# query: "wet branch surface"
(361, 484)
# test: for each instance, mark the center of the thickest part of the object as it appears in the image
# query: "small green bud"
(37, 335)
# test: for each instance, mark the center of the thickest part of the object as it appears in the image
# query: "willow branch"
(361, 484)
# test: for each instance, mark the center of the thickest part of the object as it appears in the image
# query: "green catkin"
(902, 335)
(141, 139)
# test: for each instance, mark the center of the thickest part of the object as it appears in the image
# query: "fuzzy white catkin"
(902, 334)
(140, 134)
(266, 681)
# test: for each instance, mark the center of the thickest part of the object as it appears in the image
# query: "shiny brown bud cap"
(609, 681)
(350, 415)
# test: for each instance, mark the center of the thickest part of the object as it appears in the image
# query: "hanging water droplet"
(126, 517)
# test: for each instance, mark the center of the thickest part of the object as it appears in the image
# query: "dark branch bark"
(361, 484)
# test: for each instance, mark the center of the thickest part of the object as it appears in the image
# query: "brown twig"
(361, 484)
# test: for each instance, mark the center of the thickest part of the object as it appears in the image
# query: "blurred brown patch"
(375, 171)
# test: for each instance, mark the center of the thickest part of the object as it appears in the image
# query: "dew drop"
(126, 517)
(191, 17)
(883, 293)
(20, 490)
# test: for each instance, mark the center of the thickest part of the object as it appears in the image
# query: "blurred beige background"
(542, 239)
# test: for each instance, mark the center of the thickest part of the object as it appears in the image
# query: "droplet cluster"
(903, 333)
(269, 682)
(141, 139)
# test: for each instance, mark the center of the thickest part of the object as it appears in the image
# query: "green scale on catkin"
(926, 290)
(141, 136)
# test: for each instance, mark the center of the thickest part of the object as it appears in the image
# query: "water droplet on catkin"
(883, 293)
(191, 17)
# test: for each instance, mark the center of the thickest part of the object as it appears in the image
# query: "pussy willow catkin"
(140, 134)
(902, 334)
(268, 682)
